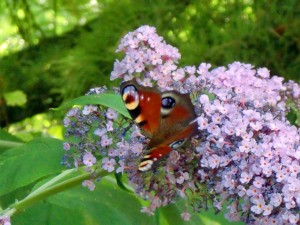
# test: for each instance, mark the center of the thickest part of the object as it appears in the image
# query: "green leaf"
(172, 214)
(8, 141)
(209, 217)
(15, 98)
(292, 116)
(4, 135)
(113, 101)
(107, 204)
(211, 96)
(47, 213)
(30, 162)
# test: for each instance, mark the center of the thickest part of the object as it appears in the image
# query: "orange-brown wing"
(154, 155)
(168, 118)
(177, 124)
(143, 105)
(177, 114)
(158, 152)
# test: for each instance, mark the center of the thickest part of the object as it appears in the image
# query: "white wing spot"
(146, 165)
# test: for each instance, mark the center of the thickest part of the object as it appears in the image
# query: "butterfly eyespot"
(168, 102)
(130, 97)
(177, 144)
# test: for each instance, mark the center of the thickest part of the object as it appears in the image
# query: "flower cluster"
(5, 220)
(95, 138)
(246, 153)
(251, 154)
(90, 132)
(147, 55)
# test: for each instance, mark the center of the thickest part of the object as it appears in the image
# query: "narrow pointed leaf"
(113, 101)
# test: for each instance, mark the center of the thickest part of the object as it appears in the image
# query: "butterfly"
(167, 118)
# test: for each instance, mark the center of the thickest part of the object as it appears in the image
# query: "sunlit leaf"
(172, 215)
(8, 141)
(113, 101)
(107, 204)
(15, 98)
(47, 213)
(28, 163)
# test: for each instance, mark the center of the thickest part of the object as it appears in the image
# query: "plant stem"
(51, 182)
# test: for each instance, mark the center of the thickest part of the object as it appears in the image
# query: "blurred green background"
(55, 50)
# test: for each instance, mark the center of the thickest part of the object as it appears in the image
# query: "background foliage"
(54, 50)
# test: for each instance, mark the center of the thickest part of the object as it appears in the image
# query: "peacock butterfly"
(167, 118)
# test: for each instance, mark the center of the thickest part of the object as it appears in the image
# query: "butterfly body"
(167, 118)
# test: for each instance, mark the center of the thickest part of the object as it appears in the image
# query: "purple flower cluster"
(251, 154)
(246, 155)
(95, 139)
(90, 132)
(5, 220)
(147, 54)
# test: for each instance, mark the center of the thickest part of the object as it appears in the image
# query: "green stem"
(40, 194)
(10, 144)
(51, 182)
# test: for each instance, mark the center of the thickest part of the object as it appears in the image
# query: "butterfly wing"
(154, 155)
(143, 105)
(167, 118)
(177, 124)
(177, 113)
